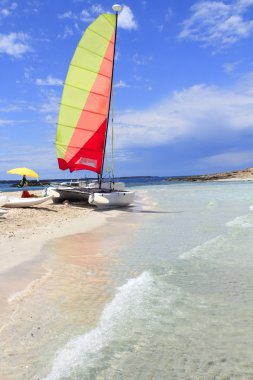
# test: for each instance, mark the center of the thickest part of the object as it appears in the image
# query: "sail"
(82, 121)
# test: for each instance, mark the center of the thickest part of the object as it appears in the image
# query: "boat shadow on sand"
(158, 212)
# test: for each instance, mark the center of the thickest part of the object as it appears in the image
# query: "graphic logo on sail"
(87, 161)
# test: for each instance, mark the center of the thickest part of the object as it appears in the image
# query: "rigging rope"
(109, 166)
(112, 162)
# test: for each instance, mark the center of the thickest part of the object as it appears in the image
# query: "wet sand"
(30, 275)
(55, 277)
(23, 231)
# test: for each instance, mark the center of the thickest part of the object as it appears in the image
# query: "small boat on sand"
(25, 202)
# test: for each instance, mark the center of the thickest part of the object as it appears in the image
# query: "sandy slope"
(23, 231)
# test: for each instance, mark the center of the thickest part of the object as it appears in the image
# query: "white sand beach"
(25, 230)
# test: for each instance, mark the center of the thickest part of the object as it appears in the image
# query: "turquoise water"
(187, 311)
(167, 296)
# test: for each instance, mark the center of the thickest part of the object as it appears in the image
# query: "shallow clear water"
(167, 296)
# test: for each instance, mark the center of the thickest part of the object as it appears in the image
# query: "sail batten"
(80, 109)
(90, 149)
(84, 108)
(105, 18)
(82, 129)
(91, 71)
(83, 89)
(88, 50)
(100, 35)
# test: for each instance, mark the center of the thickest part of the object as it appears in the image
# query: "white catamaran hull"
(25, 202)
(113, 199)
(82, 192)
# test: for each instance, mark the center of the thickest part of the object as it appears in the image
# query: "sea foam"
(201, 249)
(29, 289)
(244, 221)
(127, 301)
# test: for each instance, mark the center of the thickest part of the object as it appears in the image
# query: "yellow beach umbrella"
(24, 171)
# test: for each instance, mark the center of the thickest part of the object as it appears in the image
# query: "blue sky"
(183, 84)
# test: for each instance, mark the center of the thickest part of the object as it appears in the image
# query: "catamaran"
(83, 119)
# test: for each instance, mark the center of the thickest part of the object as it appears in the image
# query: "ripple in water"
(127, 304)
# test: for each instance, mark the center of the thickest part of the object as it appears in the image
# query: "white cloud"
(120, 155)
(51, 119)
(49, 81)
(29, 73)
(218, 24)
(51, 106)
(138, 60)
(10, 108)
(197, 112)
(97, 9)
(32, 6)
(230, 67)
(168, 14)
(121, 84)
(86, 16)
(8, 9)
(76, 26)
(126, 19)
(230, 158)
(243, 4)
(68, 31)
(14, 44)
(16, 106)
(48, 108)
(67, 15)
(167, 17)
(5, 123)
(40, 158)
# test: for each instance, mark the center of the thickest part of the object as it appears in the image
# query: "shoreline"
(24, 231)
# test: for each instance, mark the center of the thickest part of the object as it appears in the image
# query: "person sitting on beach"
(26, 194)
(23, 182)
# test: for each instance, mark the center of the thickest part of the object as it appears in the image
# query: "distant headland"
(244, 174)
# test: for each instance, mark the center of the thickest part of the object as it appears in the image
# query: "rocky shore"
(245, 174)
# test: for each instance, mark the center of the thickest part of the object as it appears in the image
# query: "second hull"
(113, 199)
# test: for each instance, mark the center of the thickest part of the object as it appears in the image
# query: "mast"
(117, 8)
